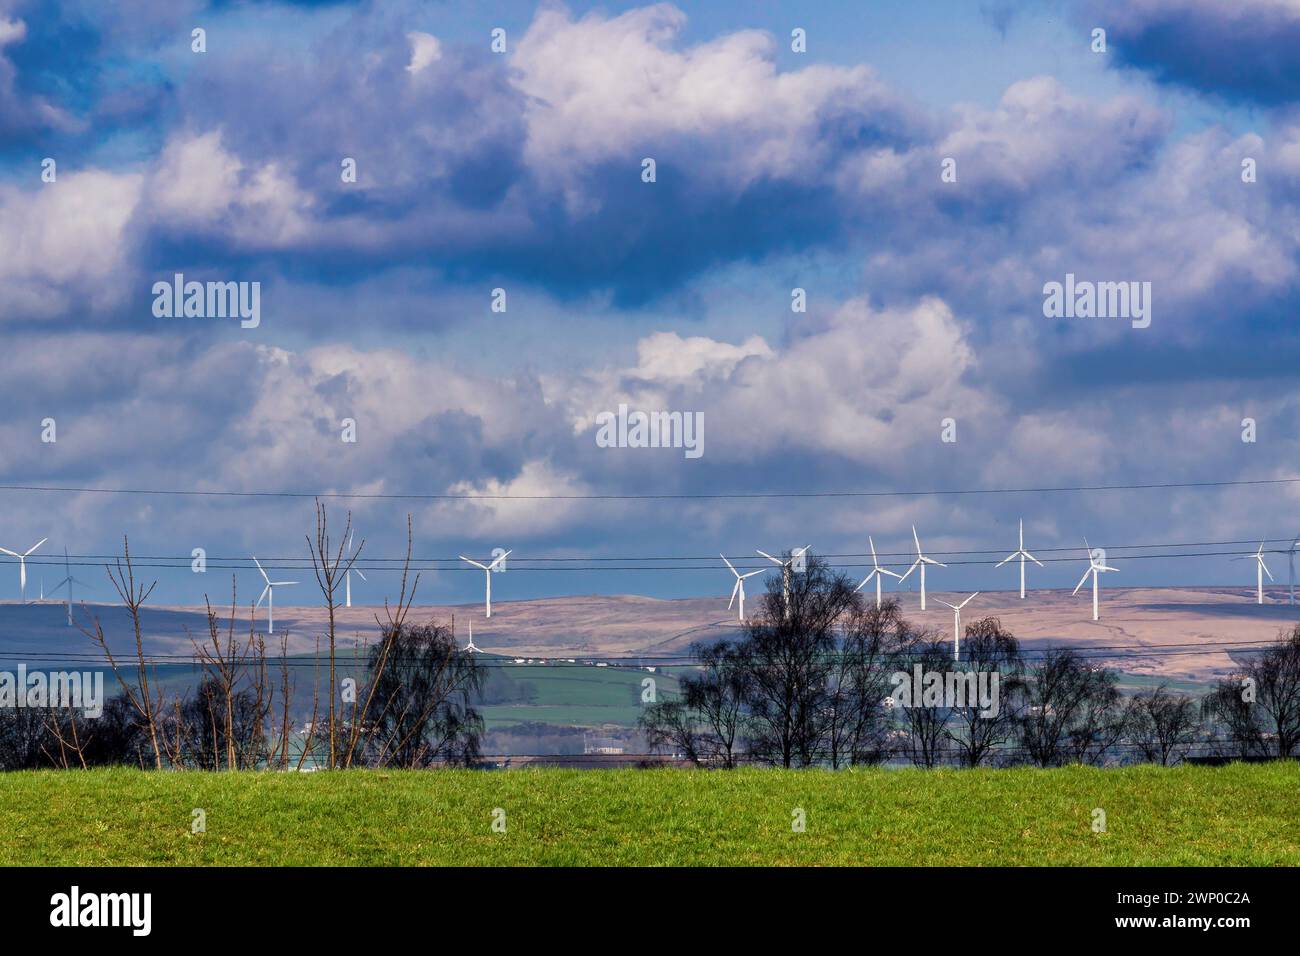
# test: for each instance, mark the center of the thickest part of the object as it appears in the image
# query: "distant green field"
(1234, 815)
(566, 694)
(578, 696)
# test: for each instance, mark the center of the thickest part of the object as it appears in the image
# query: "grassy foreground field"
(1236, 815)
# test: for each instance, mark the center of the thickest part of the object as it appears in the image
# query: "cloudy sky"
(523, 171)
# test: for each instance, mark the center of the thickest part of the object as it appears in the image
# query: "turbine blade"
(770, 558)
(917, 540)
(873, 551)
(1032, 558)
(362, 574)
(473, 562)
(279, 584)
(968, 600)
(7, 551)
(946, 604)
(729, 564)
(35, 546)
(934, 562)
(1006, 559)
(734, 588)
(890, 573)
(1266, 570)
(260, 568)
(499, 558)
(910, 570)
(1081, 580)
(263, 597)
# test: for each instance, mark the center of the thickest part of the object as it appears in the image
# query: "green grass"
(1236, 815)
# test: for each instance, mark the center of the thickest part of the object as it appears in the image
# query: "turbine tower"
(69, 580)
(785, 566)
(739, 587)
(920, 562)
(347, 577)
(956, 623)
(877, 572)
(1022, 554)
(487, 570)
(1261, 569)
(22, 565)
(268, 595)
(1095, 568)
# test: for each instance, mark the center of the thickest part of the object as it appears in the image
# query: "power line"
(636, 662)
(398, 559)
(392, 496)
(288, 564)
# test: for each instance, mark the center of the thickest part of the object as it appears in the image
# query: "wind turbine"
(470, 646)
(1022, 554)
(956, 623)
(69, 580)
(1094, 568)
(920, 562)
(785, 568)
(877, 572)
(347, 578)
(268, 593)
(487, 574)
(739, 587)
(1261, 569)
(22, 565)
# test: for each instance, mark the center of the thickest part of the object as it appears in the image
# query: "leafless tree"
(1164, 726)
(133, 595)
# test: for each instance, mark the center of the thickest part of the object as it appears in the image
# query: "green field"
(1234, 815)
(577, 696)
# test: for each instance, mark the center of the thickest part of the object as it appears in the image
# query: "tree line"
(413, 706)
(810, 683)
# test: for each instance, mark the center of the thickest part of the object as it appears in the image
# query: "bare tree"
(858, 728)
(706, 723)
(331, 566)
(1262, 701)
(927, 725)
(1071, 710)
(789, 651)
(133, 595)
(1164, 726)
(987, 649)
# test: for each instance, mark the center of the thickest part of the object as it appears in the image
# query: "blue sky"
(522, 171)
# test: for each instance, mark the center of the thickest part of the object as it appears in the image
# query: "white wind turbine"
(69, 580)
(1095, 568)
(1022, 554)
(268, 594)
(956, 623)
(739, 587)
(920, 562)
(470, 646)
(22, 565)
(877, 572)
(347, 577)
(785, 566)
(1261, 569)
(487, 574)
